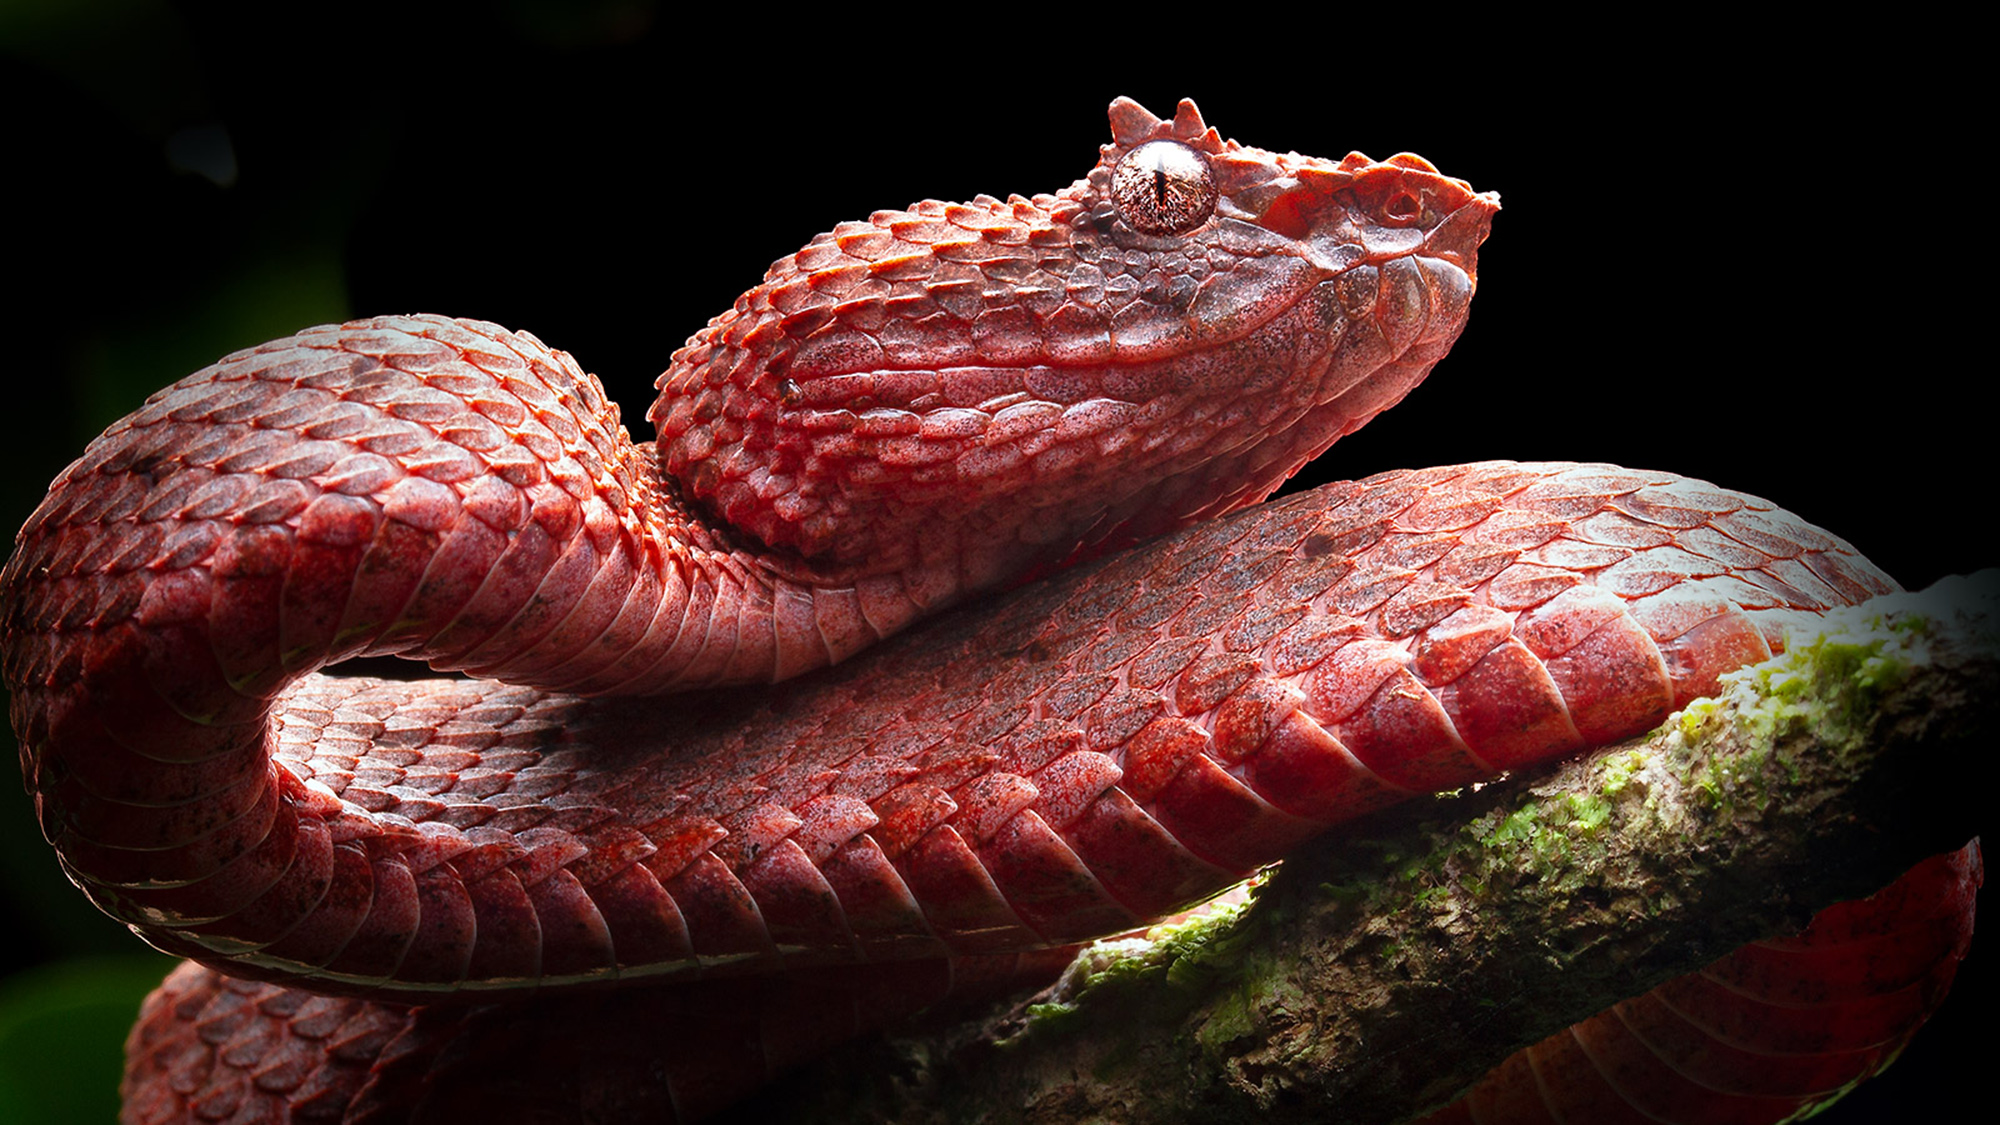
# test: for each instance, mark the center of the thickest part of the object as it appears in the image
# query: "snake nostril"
(1403, 207)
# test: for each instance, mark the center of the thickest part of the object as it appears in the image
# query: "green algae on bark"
(1387, 967)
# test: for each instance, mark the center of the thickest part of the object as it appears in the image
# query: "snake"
(1032, 436)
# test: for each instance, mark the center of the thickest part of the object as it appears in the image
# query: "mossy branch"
(1384, 970)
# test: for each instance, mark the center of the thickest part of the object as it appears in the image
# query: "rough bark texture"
(1384, 970)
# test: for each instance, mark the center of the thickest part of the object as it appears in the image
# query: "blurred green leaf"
(62, 1035)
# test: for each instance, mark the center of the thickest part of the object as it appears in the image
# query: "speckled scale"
(908, 411)
(1016, 356)
(232, 1050)
(1011, 828)
(1292, 713)
(1761, 1035)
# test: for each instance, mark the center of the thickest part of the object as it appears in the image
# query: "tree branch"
(1394, 963)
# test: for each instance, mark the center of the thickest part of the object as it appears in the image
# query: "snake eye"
(1163, 187)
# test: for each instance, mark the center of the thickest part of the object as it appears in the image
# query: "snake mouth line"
(1068, 760)
(875, 393)
(1455, 238)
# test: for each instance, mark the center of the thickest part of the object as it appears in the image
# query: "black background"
(1722, 252)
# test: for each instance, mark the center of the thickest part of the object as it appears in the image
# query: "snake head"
(996, 386)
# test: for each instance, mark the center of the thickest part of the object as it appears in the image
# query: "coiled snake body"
(912, 410)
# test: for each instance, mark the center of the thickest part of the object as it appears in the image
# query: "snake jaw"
(1065, 763)
(937, 390)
